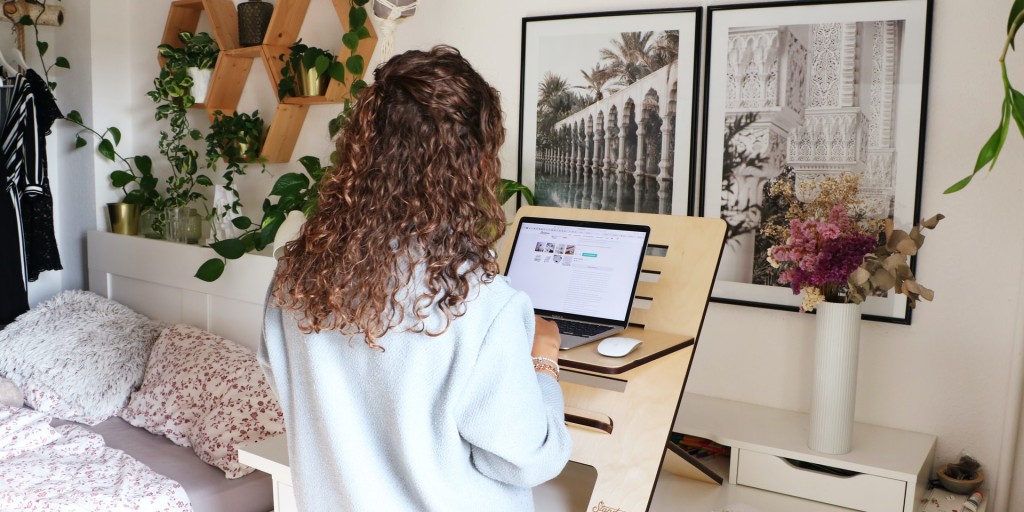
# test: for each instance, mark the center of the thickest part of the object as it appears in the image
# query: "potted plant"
(236, 140)
(307, 71)
(173, 96)
(962, 477)
(186, 70)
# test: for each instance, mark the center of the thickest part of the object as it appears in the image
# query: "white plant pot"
(200, 83)
(834, 392)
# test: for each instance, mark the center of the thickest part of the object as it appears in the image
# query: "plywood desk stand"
(620, 410)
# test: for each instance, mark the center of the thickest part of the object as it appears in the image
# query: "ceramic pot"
(253, 19)
(200, 83)
(959, 486)
(834, 392)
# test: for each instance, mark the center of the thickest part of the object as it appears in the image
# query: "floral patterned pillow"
(206, 392)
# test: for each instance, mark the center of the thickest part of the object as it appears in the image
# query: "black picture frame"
(819, 87)
(578, 154)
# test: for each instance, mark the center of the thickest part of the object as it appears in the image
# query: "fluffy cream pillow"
(204, 391)
(78, 355)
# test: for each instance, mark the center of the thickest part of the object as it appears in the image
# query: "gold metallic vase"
(124, 218)
(309, 82)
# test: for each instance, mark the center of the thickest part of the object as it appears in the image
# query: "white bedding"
(69, 468)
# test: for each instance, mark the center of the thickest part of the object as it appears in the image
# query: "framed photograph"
(608, 110)
(802, 91)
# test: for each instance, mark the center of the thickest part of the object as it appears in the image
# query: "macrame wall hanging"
(389, 13)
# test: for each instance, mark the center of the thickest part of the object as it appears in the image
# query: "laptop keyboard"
(582, 329)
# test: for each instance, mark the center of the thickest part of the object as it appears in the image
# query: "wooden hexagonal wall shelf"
(234, 63)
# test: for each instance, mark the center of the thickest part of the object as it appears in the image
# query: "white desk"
(271, 456)
(894, 454)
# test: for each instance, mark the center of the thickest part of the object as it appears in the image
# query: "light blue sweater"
(457, 422)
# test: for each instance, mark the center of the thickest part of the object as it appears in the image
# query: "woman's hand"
(546, 339)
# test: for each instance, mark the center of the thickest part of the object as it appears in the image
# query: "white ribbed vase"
(834, 395)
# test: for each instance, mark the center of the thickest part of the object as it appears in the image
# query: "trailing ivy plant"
(172, 94)
(235, 140)
(137, 170)
(1012, 109)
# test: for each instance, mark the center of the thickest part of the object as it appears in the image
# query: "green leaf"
(74, 116)
(337, 72)
(106, 148)
(350, 40)
(290, 184)
(231, 248)
(148, 183)
(322, 63)
(144, 164)
(115, 133)
(355, 64)
(121, 178)
(312, 166)
(271, 222)
(211, 270)
(204, 180)
(311, 206)
(309, 58)
(990, 151)
(356, 18)
(61, 62)
(357, 87)
(360, 3)
(1015, 11)
(242, 222)
(958, 186)
(26, 20)
(1017, 108)
(79, 141)
(363, 33)
(42, 46)
(509, 188)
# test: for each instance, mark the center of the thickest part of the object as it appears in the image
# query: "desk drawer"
(865, 492)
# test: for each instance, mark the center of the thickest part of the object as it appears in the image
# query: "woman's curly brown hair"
(415, 184)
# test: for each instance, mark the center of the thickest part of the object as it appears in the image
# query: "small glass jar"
(192, 227)
(184, 225)
(151, 223)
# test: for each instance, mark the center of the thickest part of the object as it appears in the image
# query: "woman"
(401, 358)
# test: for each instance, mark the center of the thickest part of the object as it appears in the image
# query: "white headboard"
(156, 278)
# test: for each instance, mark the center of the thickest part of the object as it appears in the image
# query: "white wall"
(947, 374)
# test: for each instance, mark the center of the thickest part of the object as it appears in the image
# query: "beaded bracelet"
(545, 364)
(546, 369)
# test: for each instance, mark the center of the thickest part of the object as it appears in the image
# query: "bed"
(198, 388)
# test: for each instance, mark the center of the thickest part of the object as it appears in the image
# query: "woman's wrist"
(546, 365)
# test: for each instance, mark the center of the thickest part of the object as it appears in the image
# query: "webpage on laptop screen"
(581, 270)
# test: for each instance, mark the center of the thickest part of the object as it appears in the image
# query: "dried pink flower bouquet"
(832, 251)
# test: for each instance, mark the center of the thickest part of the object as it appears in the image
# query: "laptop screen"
(578, 269)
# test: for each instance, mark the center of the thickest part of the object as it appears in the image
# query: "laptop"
(580, 274)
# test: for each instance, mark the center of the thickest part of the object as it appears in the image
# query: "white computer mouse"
(617, 346)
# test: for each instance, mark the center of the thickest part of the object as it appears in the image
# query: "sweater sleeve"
(513, 417)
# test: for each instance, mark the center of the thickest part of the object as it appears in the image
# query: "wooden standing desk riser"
(621, 410)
